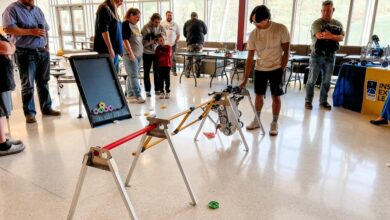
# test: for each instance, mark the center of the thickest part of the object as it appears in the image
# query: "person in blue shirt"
(108, 31)
(385, 115)
(27, 26)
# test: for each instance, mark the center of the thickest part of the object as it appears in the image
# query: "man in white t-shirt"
(271, 42)
(173, 36)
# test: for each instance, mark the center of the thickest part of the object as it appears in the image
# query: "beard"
(29, 3)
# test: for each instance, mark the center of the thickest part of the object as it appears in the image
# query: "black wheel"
(239, 113)
(241, 124)
(385, 63)
(363, 62)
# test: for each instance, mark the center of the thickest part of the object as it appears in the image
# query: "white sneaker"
(130, 97)
(167, 95)
(148, 94)
(162, 95)
(139, 99)
(253, 125)
(274, 129)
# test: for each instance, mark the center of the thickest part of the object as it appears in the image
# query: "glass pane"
(359, 16)
(82, 43)
(304, 19)
(148, 9)
(78, 20)
(382, 20)
(223, 21)
(183, 9)
(65, 22)
(68, 42)
(164, 8)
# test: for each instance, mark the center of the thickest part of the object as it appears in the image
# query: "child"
(164, 64)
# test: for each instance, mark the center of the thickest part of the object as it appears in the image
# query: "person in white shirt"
(271, 42)
(173, 35)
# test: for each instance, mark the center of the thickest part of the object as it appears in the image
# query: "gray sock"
(275, 118)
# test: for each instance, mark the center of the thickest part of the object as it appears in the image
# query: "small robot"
(227, 115)
(373, 52)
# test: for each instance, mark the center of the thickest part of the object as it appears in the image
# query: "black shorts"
(275, 79)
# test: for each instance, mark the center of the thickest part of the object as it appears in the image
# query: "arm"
(37, 32)
(248, 67)
(128, 49)
(6, 48)
(286, 50)
(47, 42)
(106, 38)
(326, 35)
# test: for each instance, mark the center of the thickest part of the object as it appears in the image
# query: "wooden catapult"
(224, 103)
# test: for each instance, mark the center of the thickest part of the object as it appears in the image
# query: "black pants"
(149, 60)
(164, 78)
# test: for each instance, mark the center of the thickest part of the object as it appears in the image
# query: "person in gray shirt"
(149, 33)
(132, 42)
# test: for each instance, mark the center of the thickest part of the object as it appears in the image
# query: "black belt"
(31, 50)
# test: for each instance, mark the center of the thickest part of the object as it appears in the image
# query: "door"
(71, 26)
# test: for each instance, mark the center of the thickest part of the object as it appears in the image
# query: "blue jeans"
(132, 70)
(116, 63)
(320, 64)
(34, 66)
(386, 108)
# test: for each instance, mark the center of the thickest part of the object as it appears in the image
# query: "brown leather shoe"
(52, 112)
(326, 106)
(308, 105)
(30, 119)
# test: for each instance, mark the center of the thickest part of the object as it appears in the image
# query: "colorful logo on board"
(371, 90)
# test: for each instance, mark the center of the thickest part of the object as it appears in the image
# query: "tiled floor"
(322, 165)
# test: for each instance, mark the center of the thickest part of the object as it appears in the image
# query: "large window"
(360, 22)
(281, 12)
(182, 11)
(222, 22)
(382, 20)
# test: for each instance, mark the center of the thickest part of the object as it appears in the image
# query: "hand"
(111, 52)
(131, 57)
(326, 35)
(38, 32)
(243, 84)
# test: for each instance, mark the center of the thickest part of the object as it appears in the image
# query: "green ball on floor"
(213, 205)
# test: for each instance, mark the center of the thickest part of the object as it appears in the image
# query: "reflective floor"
(322, 165)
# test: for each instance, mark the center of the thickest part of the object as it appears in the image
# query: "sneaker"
(52, 112)
(130, 97)
(148, 94)
(253, 125)
(167, 95)
(174, 73)
(30, 119)
(308, 105)
(157, 92)
(162, 95)
(14, 147)
(326, 106)
(139, 99)
(274, 129)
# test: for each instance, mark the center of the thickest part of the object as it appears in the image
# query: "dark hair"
(261, 12)
(159, 36)
(170, 12)
(327, 2)
(155, 16)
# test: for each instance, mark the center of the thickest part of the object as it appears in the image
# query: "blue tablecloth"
(349, 89)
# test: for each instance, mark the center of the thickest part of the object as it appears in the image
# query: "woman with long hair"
(108, 30)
